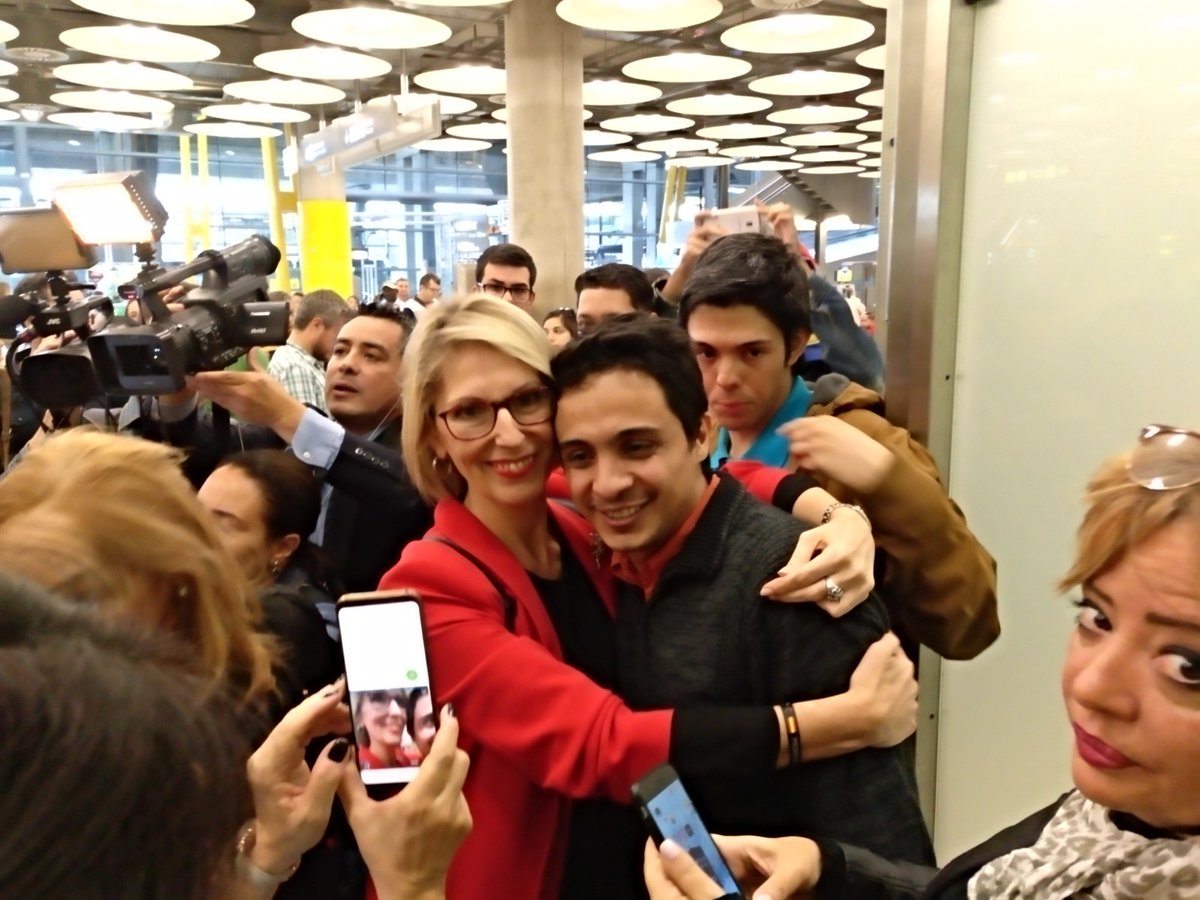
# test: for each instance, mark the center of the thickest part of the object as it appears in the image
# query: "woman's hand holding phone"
(292, 802)
(767, 869)
(409, 840)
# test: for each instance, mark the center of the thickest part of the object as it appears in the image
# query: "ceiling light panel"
(371, 28)
(647, 123)
(623, 155)
(287, 91)
(687, 68)
(831, 170)
(481, 131)
(100, 121)
(123, 76)
(232, 130)
(261, 113)
(829, 156)
(878, 4)
(678, 145)
(874, 126)
(8, 32)
(7, 95)
(114, 101)
(817, 114)
(501, 114)
(699, 162)
(173, 12)
(797, 33)
(450, 106)
(755, 151)
(143, 43)
(875, 58)
(475, 80)
(452, 145)
(719, 105)
(869, 174)
(595, 137)
(9, 115)
(637, 15)
(741, 131)
(611, 92)
(809, 83)
(824, 139)
(872, 163)
(871, 98)
(323, 64)
(7, 68)
(769, 165)
(870, 147)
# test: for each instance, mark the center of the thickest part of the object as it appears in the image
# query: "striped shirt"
(301, 374)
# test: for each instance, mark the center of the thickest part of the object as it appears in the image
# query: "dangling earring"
(276, 567)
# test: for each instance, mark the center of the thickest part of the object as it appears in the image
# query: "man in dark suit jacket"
(370, 509)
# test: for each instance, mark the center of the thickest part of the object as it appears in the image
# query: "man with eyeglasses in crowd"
(507, 271)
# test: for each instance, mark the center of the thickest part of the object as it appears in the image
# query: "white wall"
(1079, 322)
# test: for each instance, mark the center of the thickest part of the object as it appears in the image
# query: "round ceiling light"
(7, 95)
(754, 151)
(8, 115)
(611, 92)
(699, 162)
(623, 155)
(809, 82)
(824, 139)
(685, 68)
(870, 147)
(817, 115)
(878, 4)
(371, 28)
(261, 113)
(480, 131)
(7, 68)
(871, 98)
(458, 2)
(595, 137)
(875, 58)
(637, 15)
(875, 126)
(173, 12)
(502, 114)
(797, 33)
(831, 170)
(476, 80)
(114, 101)
(232, 130)
(450, 106)
(769, 165)
(647, 123)
(100, 121)
(8, 32)
(451, 145)
(123, 76)
(323, 64)
(288, 91)
(678, 145)
(829, 156)
(143, 43)
(873, 163)
(741, 131)
(719, 105)
(869, 174)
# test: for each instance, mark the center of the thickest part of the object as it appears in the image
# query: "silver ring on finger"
(833, 590)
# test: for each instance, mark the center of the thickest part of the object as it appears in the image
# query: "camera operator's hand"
(255, 398)
(707, 229)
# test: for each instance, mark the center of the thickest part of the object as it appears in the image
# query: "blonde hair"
(476, 319)
(1120, 515)
(111, 520)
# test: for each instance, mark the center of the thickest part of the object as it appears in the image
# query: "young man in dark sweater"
(693, 551)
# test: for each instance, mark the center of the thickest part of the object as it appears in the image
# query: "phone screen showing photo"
(387, 676)
(677, 820)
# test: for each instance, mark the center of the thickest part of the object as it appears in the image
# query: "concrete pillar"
(324, 231)
(545, 146)
(23, 166)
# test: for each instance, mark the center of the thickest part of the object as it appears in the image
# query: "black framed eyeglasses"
(518, 292)
(471, 420)
(1165, 458)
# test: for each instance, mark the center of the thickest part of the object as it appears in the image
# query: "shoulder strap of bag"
(510, 603)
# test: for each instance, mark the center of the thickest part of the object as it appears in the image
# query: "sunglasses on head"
(1165, 458)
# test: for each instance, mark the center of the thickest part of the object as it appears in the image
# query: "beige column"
(545, 147)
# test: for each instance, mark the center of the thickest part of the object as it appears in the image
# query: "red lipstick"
(1098, 754)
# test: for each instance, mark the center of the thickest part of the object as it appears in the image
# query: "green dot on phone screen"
(412, 674)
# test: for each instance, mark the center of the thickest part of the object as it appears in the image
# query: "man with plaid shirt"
(299, 365)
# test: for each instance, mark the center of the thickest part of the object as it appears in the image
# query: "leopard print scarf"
(1081, 853)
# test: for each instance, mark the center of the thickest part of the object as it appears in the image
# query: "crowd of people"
(646, 526)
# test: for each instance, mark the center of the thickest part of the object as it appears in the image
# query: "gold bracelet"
(834, 507)
(248, 871)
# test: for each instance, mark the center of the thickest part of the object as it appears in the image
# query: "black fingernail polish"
(450, 711)
(339, 749)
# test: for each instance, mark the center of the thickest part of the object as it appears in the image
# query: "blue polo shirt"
(769, 448)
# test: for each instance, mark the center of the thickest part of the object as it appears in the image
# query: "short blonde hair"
(1120, 515)
(111, 520)
(477, 319)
